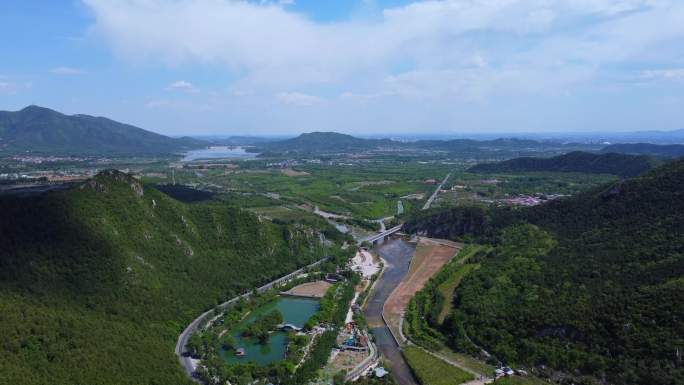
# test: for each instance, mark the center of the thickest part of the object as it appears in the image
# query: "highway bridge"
(381, 236)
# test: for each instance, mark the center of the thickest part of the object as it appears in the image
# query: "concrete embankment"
(397, 255)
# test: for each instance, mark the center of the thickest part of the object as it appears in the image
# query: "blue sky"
(394, 66)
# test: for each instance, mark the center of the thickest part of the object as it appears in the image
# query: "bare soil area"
(291, 172)
(430, 256)
(310, 289)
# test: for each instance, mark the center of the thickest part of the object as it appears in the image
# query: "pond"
(219, 152)
(295, 311)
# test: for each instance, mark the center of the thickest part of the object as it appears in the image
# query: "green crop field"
(431, 370)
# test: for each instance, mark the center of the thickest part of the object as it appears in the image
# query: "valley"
(359, 192)
(433, 222)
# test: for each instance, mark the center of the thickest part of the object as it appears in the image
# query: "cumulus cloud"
(66, 71)
(436, 63)
(182, 85)
(274, 46)
(298, 99)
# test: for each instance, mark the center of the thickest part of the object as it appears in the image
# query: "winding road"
(397, 254)
(184, 358)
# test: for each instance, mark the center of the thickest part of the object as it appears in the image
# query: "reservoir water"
(219, 152)
(295, 311)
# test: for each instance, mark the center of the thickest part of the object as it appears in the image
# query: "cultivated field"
(291, 172)
(431, 370)
(430, 256)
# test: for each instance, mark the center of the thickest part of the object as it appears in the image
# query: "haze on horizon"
(385, 66)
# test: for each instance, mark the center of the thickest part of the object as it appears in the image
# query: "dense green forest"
(97, 282)
(333, 142)
(591, 286)
(659, 150)
(39, 129)
(576, 161)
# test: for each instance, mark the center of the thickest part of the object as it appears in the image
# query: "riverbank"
(396, 255)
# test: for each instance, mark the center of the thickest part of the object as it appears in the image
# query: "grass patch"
(447, 288)
(431, 370)
(467, 361)
(519, 381)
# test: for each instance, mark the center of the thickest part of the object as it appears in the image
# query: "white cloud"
(66, 71)
(182, 85)
(276, 47)
(448, 63)
(673, 74)
(7, 87)
(298, 99)
(160, 103)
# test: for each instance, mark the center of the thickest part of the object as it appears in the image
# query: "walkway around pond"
(186, 360)
(396, 255)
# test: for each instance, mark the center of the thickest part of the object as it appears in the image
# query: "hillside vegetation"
(591, 286)
(97, 282)
(577, 161)
(323, 142)
(333, 142)
(42, 130)
(659, 150)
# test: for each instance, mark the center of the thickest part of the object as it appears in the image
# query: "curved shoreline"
(185, 360)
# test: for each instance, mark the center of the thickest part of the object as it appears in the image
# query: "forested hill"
(577, 161)
(333, 142)
(323, 142)
(591, 286)
(42, 130)
(97, 282)
(659, 150)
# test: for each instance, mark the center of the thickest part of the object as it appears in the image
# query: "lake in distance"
(219, 152)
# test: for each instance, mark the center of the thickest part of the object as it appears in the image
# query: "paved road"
(185, 360)
(434, 194)
(397, 253)
(380, 235)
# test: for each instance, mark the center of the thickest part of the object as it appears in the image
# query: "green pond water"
(295, 311)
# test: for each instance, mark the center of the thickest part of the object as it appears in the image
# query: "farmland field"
(431, 370)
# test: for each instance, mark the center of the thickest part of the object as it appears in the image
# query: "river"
(397, 253)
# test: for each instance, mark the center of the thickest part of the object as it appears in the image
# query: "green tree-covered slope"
(97, 282)
(322, 142)
(659, 150)
(42, 130)
(591, 286)
(576, 161)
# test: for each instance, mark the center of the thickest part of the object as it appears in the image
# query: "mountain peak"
(32, 109)
(39, 129)
(104, 180)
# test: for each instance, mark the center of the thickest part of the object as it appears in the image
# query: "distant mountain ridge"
(42, 130)
(577, 161)
(321, 142)
(659, 150)
(324, 142)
